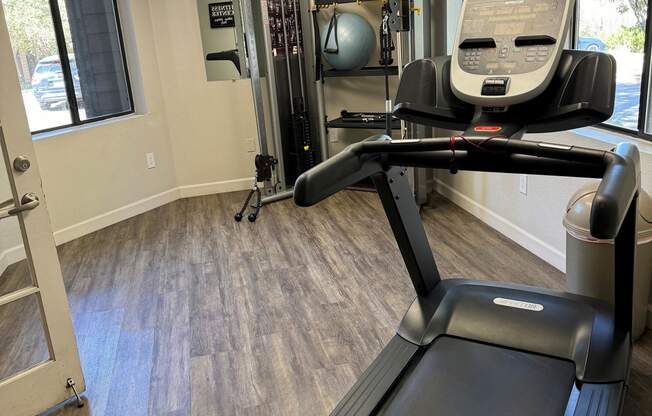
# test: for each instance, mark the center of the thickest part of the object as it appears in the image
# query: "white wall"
(90, 171)
(211, 124)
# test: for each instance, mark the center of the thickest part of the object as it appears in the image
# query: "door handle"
(28, 202)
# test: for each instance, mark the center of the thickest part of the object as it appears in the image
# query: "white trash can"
(590, 261)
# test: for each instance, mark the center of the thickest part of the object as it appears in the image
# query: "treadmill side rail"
(377, 380)
(600, 400)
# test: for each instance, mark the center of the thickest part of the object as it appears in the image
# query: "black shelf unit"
(338, 123)
(370, 71)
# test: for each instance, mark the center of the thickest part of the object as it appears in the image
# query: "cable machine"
(275, 56)
(287, 79)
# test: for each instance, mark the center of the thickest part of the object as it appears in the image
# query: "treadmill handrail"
(336, 173)
(619, 169)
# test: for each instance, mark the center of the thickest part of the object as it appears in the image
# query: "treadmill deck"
(457, 377)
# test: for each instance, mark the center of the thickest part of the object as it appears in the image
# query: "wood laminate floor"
(181, 311)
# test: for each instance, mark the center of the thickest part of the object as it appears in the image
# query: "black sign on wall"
(221, 14)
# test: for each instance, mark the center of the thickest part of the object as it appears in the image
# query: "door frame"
(44, 385)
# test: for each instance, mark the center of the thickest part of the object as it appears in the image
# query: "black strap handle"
(315, 29)
(332, 26)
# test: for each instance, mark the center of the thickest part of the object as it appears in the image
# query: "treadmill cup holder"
(590, 261)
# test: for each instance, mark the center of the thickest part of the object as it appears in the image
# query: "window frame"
(645, 76)
(73, 106)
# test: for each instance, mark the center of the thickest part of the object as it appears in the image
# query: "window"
(70, 60)
(619, 28)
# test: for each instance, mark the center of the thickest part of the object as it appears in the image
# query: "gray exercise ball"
(356, 41)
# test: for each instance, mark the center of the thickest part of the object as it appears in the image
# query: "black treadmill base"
(464, 378)
(458, 377)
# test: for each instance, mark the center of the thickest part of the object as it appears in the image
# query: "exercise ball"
(351, 45)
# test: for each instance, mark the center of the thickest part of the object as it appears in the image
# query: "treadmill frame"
(369, 393)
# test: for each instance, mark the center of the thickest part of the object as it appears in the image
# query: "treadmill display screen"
(505, 22)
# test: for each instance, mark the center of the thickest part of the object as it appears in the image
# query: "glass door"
(38, 352)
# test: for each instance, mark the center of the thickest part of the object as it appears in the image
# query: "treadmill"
(468, 347)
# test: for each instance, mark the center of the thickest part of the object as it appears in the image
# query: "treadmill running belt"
(457, 377)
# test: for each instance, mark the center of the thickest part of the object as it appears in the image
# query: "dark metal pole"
(403, 215)
(65, 61)
(386, 45)
(624, 256)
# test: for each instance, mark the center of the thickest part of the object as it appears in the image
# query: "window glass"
(99, 74)
(95, 69)
(618, 27)
(37, 60)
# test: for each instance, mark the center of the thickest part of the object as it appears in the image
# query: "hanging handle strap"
(332, 30)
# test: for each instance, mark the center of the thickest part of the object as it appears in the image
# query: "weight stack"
(302, 152)
(295, 129)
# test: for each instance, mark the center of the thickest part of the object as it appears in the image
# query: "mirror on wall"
(220, 23)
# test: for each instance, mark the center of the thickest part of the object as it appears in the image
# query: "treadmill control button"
(541, 58)
(530, 59)
(542, 53)
(494, 86)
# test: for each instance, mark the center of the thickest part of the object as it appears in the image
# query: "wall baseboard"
(120, 214)
(114, 216)
(528, 241)
(10, 256)
(189, 191)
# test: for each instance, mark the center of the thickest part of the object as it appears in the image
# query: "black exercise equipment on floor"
(470, 347)
(265, 166)
(272, 57)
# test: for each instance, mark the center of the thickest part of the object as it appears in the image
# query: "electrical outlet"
(251, 146)
(522, 184)
(151, 160)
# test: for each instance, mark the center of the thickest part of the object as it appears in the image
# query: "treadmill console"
(506, 51)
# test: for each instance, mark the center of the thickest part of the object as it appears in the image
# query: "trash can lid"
(578, 213)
